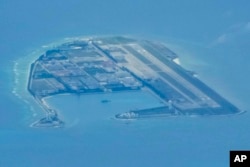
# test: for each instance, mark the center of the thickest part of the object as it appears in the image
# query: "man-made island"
(112, 64)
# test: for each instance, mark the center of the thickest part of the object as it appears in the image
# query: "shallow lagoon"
(99, 107)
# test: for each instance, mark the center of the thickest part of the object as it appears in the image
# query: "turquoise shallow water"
(89, 109)
(211, 38)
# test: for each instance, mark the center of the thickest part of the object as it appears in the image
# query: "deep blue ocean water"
(211, 38)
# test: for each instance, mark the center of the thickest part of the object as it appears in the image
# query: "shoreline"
(51, 118)
(21, 71)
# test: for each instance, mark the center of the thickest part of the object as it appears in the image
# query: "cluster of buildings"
(79, 69)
